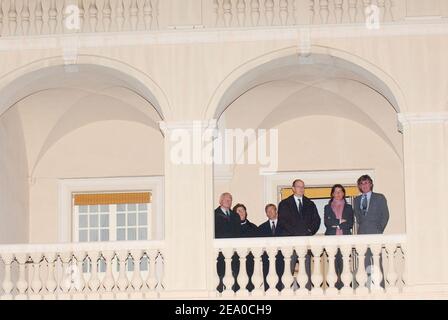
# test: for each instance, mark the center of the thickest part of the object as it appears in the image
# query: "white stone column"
(426, 184)
(189, 203)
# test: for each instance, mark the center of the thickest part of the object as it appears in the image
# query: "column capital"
(422, 117)
(167, 126)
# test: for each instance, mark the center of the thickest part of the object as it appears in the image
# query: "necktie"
(300, 206)
(273, 228)
(364, 204)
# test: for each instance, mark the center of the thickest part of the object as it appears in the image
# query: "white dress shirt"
(275, 223)
(297, 201)
(369, 195)
(224, 211)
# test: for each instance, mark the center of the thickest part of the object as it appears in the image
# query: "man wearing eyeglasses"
(371, 211)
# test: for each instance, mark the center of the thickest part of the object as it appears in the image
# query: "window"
(112, 216)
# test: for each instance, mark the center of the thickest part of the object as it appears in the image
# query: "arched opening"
(88, 125)
(336, 120)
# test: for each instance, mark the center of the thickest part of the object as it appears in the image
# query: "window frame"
(68, 187)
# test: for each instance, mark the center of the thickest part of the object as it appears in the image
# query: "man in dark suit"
(298, 215)
(271, 229)
(372, 216)
(227, 223)
(371, 210)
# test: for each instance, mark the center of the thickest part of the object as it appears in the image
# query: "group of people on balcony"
(297, 215)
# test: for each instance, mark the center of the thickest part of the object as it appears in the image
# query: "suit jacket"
(377, 217)
(265, 230)
(305, 224)
(227, 227)
(331, 220)
(248, 230)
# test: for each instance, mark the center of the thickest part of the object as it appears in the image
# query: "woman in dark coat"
(339, 217)
(338, 214)
(248, 229)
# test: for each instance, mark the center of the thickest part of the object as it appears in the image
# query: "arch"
(15, 85)
(71, 119)
(43, 159)
(243, 77)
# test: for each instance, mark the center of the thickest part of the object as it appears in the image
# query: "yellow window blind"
(320, 192)
(112, 198)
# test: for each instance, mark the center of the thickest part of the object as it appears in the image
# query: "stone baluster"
(241, 12)
(133, 15)
(62, 17)
(108, 281)
(257, 278)
(352, 10)
(36, 282)
(67, 278)
(25, 15)
(347, 276)
(324, 12)
(227, 7)
(216, 11)
(122, 281)
(147, 14)
(151, 279)
(137, 280)
(7, 283)
(51, 284)
(391, 270)
(107, 15)
(388, 14)
(255, 12)
(401, 268)
(12, 15)
(362, 272)
(1, 19)
(82, 13)
(284, 6)
(228, 276)
(382, 9)
(302, 278)
(38, 17)
(159, 263)
(272, 277)
(120, 15)
(376, 275)
(94, 281)
(316, 271)
(22, 283)
(287, 277)
(269, 12)
(155, 13)
(79, 282)
(52, 17)
(93, 16)
(332, 277)
(141, 15)
(366, 4)
(219, 281)
(338, 10)
(312, 10)
(160, 272)
(243, 277)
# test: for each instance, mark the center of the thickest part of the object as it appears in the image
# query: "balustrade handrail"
(310, 241)
(81, 246)
(55, 17)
